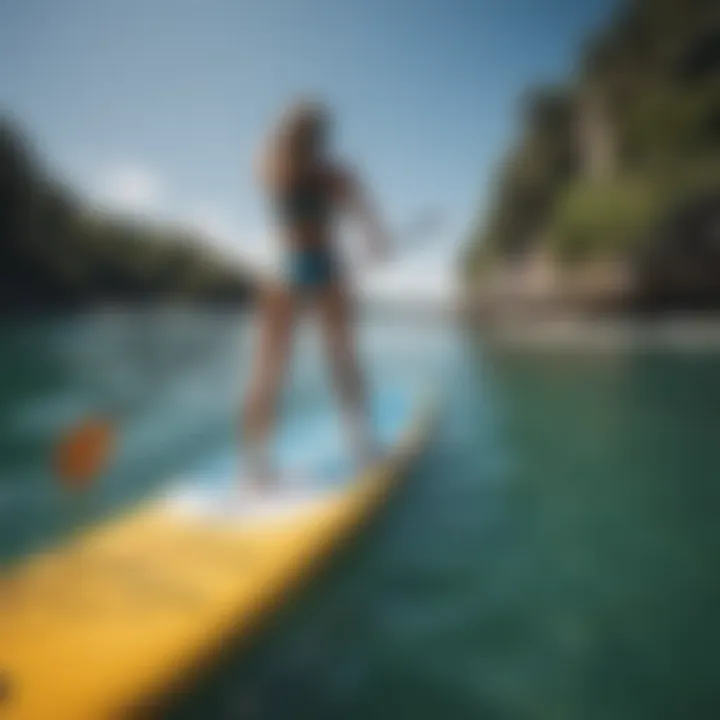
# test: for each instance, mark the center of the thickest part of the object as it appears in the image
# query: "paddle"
(420, 232)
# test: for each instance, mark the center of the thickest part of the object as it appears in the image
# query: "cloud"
(135, 188)
(130, 187)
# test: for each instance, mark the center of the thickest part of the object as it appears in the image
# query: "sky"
(157, 106)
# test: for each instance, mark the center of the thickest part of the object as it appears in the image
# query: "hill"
(58, 253)
(622, 163)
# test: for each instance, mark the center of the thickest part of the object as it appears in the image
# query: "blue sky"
(157, 105)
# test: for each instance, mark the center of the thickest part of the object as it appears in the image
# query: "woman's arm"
(356, 199)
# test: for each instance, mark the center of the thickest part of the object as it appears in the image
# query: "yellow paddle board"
(100, 627)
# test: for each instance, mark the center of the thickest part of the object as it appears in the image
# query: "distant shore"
(675, 331)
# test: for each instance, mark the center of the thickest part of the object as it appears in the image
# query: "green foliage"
(693, 180)
(602, 219)
(666, 124)
(615, 218)
(532, 174)
(55, 253)
(655, 69)
(477, 261)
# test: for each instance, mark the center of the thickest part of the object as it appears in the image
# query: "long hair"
(298, 142)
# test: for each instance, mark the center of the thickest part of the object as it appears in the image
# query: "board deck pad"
(312, 455)
(97, 627)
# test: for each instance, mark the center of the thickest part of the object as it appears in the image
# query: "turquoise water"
(552, 556)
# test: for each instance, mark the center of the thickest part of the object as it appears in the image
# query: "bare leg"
(277, 320)
(336, 316)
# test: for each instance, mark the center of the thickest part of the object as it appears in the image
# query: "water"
(552, 556)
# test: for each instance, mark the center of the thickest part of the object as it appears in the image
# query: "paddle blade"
(83, 453)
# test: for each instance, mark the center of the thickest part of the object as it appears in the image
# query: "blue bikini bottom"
(311, 268)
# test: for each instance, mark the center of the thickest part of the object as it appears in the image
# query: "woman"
(307, 189)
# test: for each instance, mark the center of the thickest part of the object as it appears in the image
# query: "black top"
(305, 201)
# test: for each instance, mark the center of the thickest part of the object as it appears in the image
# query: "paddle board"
(102, 626)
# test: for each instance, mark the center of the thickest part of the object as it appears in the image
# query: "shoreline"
(673, 331)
